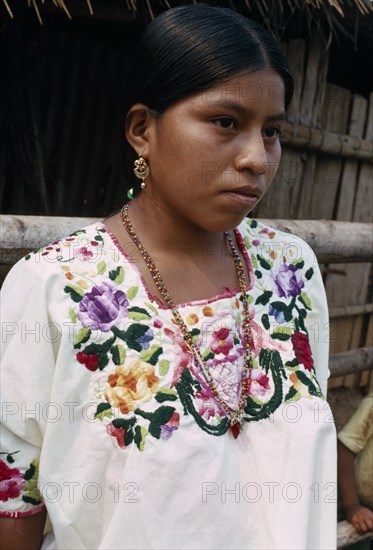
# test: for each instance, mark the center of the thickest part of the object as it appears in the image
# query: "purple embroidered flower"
(145, 339)
(170, 426)
(288, 281)
(11, 482)
(278, 315)
(102, 307)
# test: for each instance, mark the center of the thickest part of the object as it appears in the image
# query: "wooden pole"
(330, 240)
(347, 535)
(313, 139)
(351, 362)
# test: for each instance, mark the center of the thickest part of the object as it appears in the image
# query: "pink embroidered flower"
(256, 242)
(222, 341)
(259, 383)
(117, 433)
(11, 482)
(206, 404)
(83, 254)
(182, 354)
(170, 426)
(157, 323)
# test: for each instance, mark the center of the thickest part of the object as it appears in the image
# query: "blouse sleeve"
(27, 366)
(317, 320)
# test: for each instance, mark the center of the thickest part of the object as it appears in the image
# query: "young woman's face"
(213, 155)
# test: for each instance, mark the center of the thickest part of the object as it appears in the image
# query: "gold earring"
(141, 170)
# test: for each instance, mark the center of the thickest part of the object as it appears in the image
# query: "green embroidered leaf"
(265, 321)
(82, 336)
(258, 274)
(300, 264)
(30, 491)
(281, 333)
(128, 437)
(103, 348)
(246, 241)
(98, 238)
(76, 293)
(291, 394)
(138, 314)
(133, 333)
(126, 423)
(163, 414)
(155, 430)
(306, 300)
(118, 333)
(208, 354)
(254, 223)
(119, 354)
(30, 472)
(309, 273)
(27, 257)
(72, 315)
(263, 262)
(151, 307)
(280, 306)
(114, 273)
(264, 298)
(165, 395)
(285, 309)
(101, 267)
(236, 340)
(254, 261)
(307, 382)
(293, 363)
(140, 433)
(131, 292)
(151, 355)
(104, 410)
(164, 365)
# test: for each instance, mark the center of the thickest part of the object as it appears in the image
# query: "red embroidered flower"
(117, 433)
(302, 349)
(11, 482)
(89, 361)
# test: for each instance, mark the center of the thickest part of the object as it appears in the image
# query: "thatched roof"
(342, 15)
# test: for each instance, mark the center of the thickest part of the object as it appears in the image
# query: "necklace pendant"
(236, 426)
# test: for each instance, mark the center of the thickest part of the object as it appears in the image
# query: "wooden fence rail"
(332, 241)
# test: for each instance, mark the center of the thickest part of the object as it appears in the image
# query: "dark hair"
(190, 48)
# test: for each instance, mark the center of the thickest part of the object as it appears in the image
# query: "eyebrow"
(233, 106)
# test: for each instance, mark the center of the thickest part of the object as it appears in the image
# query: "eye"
(272, 133)
(226, 122)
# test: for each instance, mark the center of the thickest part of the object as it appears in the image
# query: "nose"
(252, 155)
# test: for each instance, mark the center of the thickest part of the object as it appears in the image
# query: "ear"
(139, 119)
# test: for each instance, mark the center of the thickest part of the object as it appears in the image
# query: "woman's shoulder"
(265, 240)
(85, 247)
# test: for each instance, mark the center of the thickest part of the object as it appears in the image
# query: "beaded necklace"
(235, 416)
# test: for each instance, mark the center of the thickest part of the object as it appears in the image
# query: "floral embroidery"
(13, 483)
(139, 361)
(131, 385)
(102, 307)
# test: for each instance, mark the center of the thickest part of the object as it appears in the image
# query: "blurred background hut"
(64, 70)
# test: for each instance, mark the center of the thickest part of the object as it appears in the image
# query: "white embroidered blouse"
(109, 424)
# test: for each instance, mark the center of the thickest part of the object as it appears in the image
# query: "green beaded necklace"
(236, 418)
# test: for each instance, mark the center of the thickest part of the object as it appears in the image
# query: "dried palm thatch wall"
(61, 120)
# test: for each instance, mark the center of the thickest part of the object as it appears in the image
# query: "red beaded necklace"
(235, 416)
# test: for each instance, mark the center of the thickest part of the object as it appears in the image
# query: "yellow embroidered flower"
(207, 311)
(192, 319)
(133, 383)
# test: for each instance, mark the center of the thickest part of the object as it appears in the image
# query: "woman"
(178, 384)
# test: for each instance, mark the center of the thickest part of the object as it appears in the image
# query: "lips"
(246, 195)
